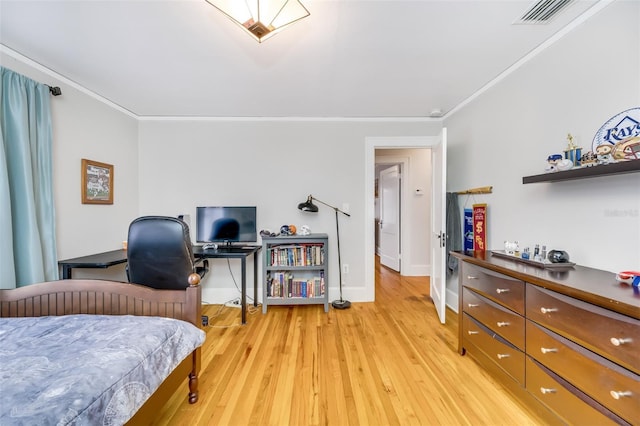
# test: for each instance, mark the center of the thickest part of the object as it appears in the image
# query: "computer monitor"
(226, 225)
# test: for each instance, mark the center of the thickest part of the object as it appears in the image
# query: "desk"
(115, 257)
(236, 252)
(99, 260)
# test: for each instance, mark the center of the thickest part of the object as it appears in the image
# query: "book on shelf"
(281, 284)
(305, 254)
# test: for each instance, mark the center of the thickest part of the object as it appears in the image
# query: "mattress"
(86, 369)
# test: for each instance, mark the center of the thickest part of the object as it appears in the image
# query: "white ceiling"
(350, 58)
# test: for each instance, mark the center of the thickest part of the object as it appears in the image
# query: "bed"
(96, 352)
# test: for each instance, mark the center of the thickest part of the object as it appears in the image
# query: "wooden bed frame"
(99, 297)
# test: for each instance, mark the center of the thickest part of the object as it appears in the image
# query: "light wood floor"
(384, 363)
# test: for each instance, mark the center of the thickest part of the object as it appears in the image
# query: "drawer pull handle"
(502, 290)
(545, 391)
(473, 305)
(502, 323)
(548, 310)
(620, 341)
(501, 356)
(548, 350)
(471, 277)
(620, 394)
(472, 332)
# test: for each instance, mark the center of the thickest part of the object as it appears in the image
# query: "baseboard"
(417, 271)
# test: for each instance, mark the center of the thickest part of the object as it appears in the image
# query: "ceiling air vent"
(543, 11)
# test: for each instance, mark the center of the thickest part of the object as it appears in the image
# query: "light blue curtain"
(27, 217)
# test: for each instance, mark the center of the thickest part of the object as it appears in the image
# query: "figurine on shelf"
(603, 154)
(628, 149)
(565, 164)
(284, 230)
(305, 230)
(588, 159)
(573, 152)
(553, 163)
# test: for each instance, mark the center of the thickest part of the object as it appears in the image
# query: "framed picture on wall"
(97, 182)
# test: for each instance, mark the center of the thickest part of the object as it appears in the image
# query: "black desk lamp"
(308, 206)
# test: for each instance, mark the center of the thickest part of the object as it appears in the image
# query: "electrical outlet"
(345, 268)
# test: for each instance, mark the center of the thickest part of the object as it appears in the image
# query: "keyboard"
(227, 249)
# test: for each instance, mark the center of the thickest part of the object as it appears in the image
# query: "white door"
(389, 190)
(438, 280)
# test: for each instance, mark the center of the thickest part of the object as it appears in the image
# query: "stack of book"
(285, 285)
(297, 255)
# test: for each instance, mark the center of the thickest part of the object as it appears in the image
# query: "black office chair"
(160, 254)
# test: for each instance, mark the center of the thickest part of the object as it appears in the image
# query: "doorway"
(403, 235)
(401, 146)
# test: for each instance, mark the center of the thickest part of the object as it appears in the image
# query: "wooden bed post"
(193, 306)
(193, 384)
(194, 301)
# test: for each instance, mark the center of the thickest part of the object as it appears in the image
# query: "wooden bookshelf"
(295, 270)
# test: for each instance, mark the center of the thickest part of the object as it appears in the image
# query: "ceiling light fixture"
(262, 18)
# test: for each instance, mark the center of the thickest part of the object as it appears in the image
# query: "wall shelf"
(586, 172)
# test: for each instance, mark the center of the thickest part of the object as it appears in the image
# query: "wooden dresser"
(566, 342)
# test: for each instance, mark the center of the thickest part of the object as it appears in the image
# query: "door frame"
(372, 143)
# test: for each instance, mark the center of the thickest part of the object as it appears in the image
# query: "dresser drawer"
(561, 398)
(506, 356)
(608, 333)
(506, 323)
(500, 288)
(604, 381)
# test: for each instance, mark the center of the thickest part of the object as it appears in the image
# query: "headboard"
(99, 297)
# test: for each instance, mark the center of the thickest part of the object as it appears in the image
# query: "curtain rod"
(54, 90)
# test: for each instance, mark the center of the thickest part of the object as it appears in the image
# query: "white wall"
(85, 127)
(273, 165)
(572, 87)
(505, 134)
